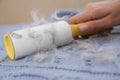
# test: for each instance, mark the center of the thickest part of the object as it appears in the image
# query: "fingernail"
(84, 28)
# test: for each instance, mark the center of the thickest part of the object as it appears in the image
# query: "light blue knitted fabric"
(96, 58)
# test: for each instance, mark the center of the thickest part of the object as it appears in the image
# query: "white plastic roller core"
(40, 38)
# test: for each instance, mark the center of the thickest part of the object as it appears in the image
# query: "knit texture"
(96, 58)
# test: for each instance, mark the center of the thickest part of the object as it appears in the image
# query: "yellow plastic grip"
(75, 28)
(9, 46)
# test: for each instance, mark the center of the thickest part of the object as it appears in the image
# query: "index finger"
(88, 15)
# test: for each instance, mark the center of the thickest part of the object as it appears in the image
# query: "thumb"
(96, 26)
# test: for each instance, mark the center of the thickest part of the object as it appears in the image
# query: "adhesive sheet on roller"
(40, 38)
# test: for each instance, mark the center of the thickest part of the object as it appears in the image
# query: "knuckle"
(90, 5)
(93, 10)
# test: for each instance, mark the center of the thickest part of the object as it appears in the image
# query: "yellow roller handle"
(75, 28)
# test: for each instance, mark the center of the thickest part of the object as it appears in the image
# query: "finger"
(96, 25)
(88, 15)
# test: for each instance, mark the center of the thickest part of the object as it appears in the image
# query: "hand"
(98, 16)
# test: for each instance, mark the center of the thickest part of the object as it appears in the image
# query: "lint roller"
(27, 41)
